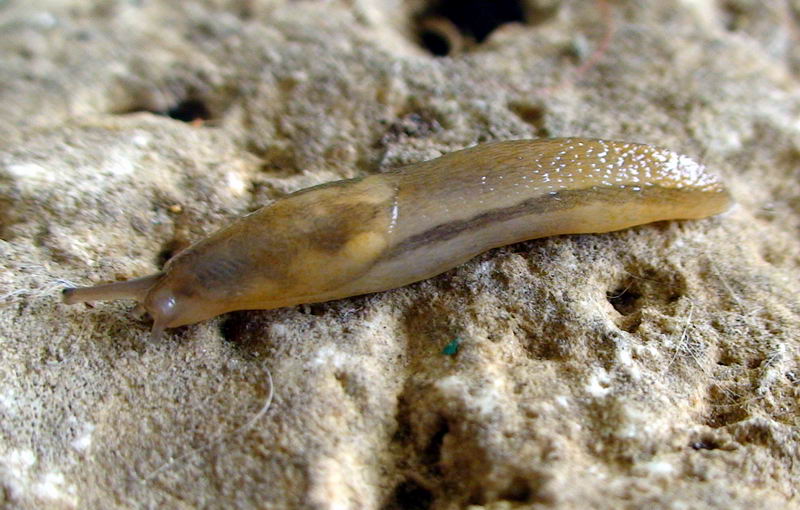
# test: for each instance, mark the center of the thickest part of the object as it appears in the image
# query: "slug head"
(158, 294)
(163, 307)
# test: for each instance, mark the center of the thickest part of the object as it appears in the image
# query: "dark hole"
(624, 300)
(518, 490)
(233, 328)
(704, 444)
(189, 110)
(754, 363)
(169, 250)
(473, 19)
(403, 432)
(732, 15)
(479, 18)
(164, 256)
(531, 114)
(437, 43)
(410, 495)
(433, 452)
(317, 309)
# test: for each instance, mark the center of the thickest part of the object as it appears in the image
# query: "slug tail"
(130, 289)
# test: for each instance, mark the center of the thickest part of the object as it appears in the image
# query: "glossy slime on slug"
(379, 232)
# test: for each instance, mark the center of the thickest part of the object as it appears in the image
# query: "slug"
(379, 232)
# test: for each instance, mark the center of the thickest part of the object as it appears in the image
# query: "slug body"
(384, 231)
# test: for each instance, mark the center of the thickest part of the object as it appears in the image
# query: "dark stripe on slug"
(546, 203)
(219, 271)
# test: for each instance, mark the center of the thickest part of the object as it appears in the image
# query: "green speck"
(452, 348)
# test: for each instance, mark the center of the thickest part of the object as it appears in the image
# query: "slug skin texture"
(384, 231)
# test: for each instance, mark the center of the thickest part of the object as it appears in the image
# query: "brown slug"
(383, 231)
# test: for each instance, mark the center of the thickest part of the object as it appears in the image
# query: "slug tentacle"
(384, 231)
(157, 330)
(131, 289)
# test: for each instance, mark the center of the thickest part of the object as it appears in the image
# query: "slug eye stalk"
(135, 289)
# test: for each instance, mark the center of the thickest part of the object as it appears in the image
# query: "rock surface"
(655, 367)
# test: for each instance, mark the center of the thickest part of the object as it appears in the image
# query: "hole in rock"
(186, 110)
(704, 444)
(532, 114)
(447, 25)
(233, 327)
(410, 495)
(518, 490)
(189, 110)
(433, 451)
(169, 250)
(624, 300)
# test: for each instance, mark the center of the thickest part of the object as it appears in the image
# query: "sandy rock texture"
(651, 368)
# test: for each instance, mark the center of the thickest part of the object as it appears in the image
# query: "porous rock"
(655, 367)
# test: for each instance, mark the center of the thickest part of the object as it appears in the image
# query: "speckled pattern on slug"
(569, 163)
